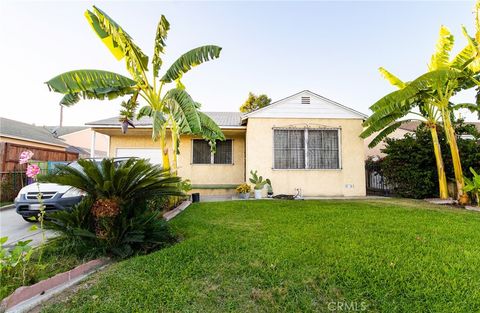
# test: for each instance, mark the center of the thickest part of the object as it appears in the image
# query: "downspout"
(93, 144)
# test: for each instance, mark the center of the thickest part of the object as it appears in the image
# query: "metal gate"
(375, 182)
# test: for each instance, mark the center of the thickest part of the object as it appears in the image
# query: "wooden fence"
(12, 174)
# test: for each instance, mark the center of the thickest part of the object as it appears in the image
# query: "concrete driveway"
(17, 229)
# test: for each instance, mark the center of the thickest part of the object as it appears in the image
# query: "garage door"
(155, 155)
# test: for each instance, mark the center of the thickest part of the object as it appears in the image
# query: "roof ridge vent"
(306, 100)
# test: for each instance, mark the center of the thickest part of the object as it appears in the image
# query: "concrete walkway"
(17, 229)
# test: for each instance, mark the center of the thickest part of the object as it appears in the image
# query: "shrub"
(243, 188)
(410, 164)
(473, 186)
(114, 218)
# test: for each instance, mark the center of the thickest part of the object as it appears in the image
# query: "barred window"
(201, 152)
(223, 155)
(203, 155)
(306, 149)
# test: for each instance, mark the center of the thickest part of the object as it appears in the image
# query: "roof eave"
(93, 126)
(33, 140)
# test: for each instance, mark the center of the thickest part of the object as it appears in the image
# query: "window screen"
(202, 153)
(323, 149)
(306, 149)
(223, 155)
(289, 146)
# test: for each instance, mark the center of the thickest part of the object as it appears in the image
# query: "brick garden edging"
(25, 293)
(171, 214)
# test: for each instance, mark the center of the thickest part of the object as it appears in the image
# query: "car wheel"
(30, 219)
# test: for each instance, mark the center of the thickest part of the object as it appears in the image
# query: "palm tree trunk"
(442, 178)
(452, 141)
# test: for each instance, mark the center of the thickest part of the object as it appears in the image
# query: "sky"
(277, 48)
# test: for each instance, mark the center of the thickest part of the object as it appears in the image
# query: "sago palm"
(118, 190)
(126, 181)
(429, 96)
(173, 108)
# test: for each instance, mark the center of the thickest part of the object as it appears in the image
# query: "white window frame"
(212, 155)
(306, 129)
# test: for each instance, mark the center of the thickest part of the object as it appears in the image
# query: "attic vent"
(305, 100)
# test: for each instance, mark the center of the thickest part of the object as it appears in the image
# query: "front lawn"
(292, 256)
(55, 259)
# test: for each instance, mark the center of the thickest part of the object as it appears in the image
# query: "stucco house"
(303, 141)
(80, 138)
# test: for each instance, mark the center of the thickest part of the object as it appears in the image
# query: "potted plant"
(244, 191)
(259, 184)
(269, 188)
(473, 186)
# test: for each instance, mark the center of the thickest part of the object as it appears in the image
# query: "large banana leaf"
(90, 84)
(210, 129)
(385, 132)
(108, 40)
(394, 80)
(467, 55)
(158, 120)
(162, 30)
(424, 83)
(441, 57)
(190, 59)
(378, 121)
(118, 42)
(183, 110)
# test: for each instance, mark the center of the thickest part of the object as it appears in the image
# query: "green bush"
(409, 167)
(115, 218)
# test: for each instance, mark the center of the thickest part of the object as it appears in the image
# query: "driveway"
(13, 226)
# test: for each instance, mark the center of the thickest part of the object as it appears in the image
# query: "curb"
(26, 297)
(7, 207)
(171, 214)
(448, 201)
(472, 208)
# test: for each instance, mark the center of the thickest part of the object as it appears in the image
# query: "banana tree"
(430, 95)
(173, 108)
(385, 120)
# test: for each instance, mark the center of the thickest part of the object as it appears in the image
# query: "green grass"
(5, 203)
(292, 256)
(54, 260)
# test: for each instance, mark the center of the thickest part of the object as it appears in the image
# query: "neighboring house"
(80, 137)
(304, 142)
(16, 137)
(407, 128)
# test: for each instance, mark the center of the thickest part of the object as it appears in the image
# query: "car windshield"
(78, 167)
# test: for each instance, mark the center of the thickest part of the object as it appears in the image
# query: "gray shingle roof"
(16, 129)
(65, 130)
(223, 119)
